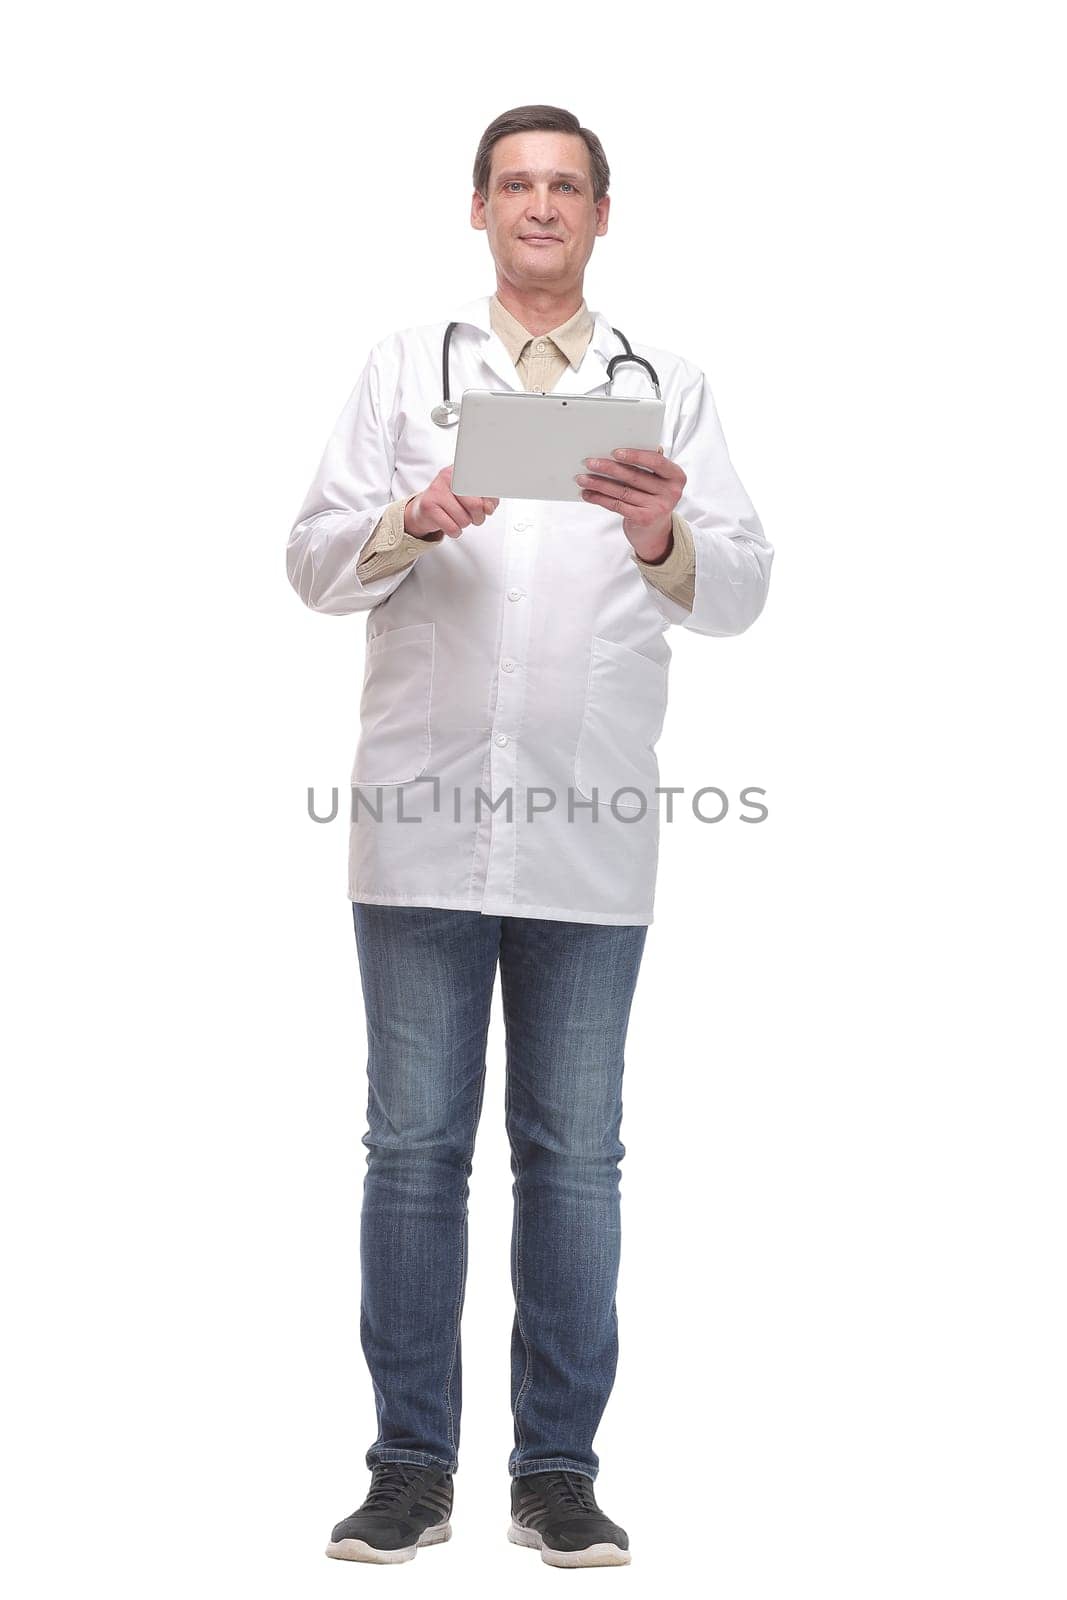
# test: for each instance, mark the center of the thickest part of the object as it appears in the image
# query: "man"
(514, 689)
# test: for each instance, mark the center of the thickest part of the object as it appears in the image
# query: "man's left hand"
(644, 500)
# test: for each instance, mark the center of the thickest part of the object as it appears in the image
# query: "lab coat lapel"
(495, 355)
(475, 314)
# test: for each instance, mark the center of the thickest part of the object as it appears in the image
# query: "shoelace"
(572, 1490)
(391, 1481)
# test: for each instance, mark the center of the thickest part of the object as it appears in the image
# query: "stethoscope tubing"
(448, 412)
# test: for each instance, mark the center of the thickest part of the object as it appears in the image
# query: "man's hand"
(438, 510)
(645, 500)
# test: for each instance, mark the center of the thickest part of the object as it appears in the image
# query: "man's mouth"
(541, 238)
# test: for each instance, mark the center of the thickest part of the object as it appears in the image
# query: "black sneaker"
(406, 1506)
(557, 1513)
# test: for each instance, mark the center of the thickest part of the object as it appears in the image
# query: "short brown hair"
(534, 119)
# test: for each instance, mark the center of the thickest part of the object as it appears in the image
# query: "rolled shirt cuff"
(390, 547)
(675, 576)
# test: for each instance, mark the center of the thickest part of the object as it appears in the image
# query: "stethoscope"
(446, 415)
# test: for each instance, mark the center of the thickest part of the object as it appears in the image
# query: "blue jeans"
(428, 977)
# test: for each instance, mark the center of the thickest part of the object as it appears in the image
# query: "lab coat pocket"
(394, 713)
(625, 703)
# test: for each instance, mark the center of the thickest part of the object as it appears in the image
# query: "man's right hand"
(438, 510)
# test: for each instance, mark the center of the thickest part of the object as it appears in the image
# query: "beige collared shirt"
(539, 360)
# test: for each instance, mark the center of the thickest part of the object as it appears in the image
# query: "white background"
(842, 1297)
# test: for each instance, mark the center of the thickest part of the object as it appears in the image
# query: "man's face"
(539, 211)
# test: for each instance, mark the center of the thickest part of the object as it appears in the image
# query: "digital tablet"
(524, 445)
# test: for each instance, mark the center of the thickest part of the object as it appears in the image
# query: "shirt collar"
(571, 337)
(481, 314)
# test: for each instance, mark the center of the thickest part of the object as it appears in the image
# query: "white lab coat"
(526, 658)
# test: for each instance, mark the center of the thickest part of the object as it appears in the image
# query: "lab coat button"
(514, 594)
(507, 664)
(501, 738)
(520, 527)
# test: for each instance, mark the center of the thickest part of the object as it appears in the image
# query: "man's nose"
(541, 206)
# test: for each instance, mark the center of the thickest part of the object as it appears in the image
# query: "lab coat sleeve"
(349, 495)
(733, 556)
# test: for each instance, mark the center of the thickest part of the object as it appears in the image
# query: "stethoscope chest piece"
(446, 415)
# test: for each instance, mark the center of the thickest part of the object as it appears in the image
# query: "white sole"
(360, 1550)
(595, 1555)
